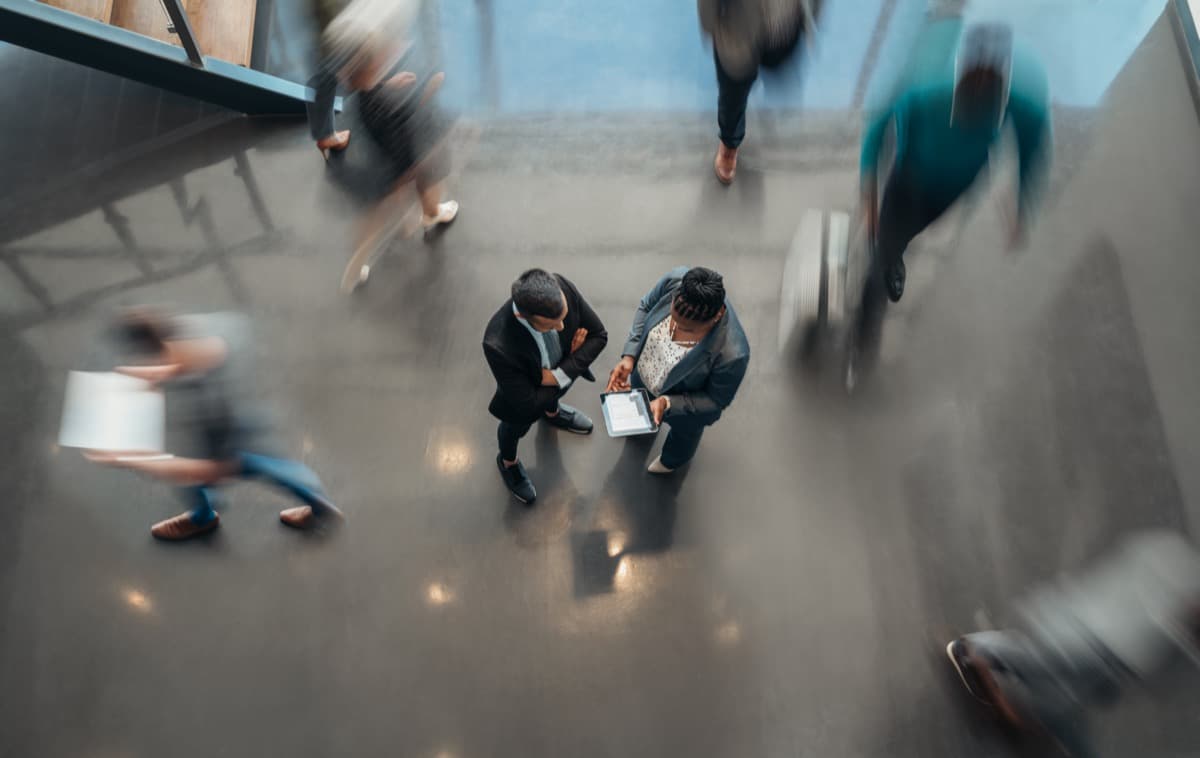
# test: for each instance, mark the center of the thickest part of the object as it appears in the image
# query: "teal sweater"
(943, 159)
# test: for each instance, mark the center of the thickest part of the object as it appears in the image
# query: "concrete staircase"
(224, 29)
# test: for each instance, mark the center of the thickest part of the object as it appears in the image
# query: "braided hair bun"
(701, 295)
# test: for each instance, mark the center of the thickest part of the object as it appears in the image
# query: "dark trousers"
(683, 438)
(731, 106)
(509, 434)
(683, 435)
(905, 212)
(320, 111)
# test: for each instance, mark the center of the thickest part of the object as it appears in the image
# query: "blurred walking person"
(747, 35)
(686, 348)
(396, 85)
(1131, 617)
(206, 361)
(959, 93)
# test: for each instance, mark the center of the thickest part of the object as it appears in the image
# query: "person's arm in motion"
(868, 165)
(1031, 121)
(180, 471)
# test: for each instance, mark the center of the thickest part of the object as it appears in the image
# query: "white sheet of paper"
(623, 413)
(113, 412)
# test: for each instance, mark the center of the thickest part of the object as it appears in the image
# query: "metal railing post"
(179, 20)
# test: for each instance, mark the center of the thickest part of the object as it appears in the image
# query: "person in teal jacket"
(957, 95)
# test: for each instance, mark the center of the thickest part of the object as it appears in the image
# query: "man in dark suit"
(688, 350)
(538, 343)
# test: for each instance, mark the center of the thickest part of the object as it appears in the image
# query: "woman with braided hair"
(686, 348)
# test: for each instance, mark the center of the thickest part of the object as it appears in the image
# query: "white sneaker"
(447, 212)
(656, 467)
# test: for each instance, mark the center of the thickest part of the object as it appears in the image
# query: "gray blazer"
(705, 382)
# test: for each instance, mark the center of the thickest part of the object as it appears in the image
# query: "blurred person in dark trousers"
(747, 35)
(206, 362)
(324, 82)
(687, 349)
(1129, 618)
(958, 93)
(541, 340)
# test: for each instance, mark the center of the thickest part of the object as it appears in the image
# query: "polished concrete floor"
(787, 596)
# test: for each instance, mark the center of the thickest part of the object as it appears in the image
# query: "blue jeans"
(293, 477)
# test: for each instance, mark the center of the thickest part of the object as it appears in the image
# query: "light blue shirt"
(539, 339)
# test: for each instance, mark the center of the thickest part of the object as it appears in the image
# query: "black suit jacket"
(516, 361)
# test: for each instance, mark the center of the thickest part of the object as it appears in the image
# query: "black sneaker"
(516, 480)
(960, 657)
(894, 278)
(571, 420)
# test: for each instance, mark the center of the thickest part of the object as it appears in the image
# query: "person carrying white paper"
(208, 359)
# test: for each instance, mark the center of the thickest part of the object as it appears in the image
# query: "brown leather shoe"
(182, 527)
(336, 143)
(725, 163)
(302, 517)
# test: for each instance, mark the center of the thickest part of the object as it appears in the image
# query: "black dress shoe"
(516, 480)
(571, 420)
(894, 279)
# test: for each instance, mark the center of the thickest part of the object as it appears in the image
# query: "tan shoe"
(656, 467)
(725, 164)
(182, 527)
(336, 142)
(303, 517)
(300, 517)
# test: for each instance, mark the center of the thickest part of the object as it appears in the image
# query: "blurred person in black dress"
(397, 84)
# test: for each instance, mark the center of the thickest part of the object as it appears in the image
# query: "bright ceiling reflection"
(728, 633)
(438, 594)
(448, 451)
(616, 544)
(137, 600)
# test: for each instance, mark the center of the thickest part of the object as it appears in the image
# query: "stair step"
(224, 28)
(144, 17)
(100, 10)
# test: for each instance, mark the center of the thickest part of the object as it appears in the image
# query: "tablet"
(627, 413)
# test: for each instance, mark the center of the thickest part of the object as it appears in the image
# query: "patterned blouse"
(659, 356)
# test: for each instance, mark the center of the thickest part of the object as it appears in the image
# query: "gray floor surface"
(788, 596)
